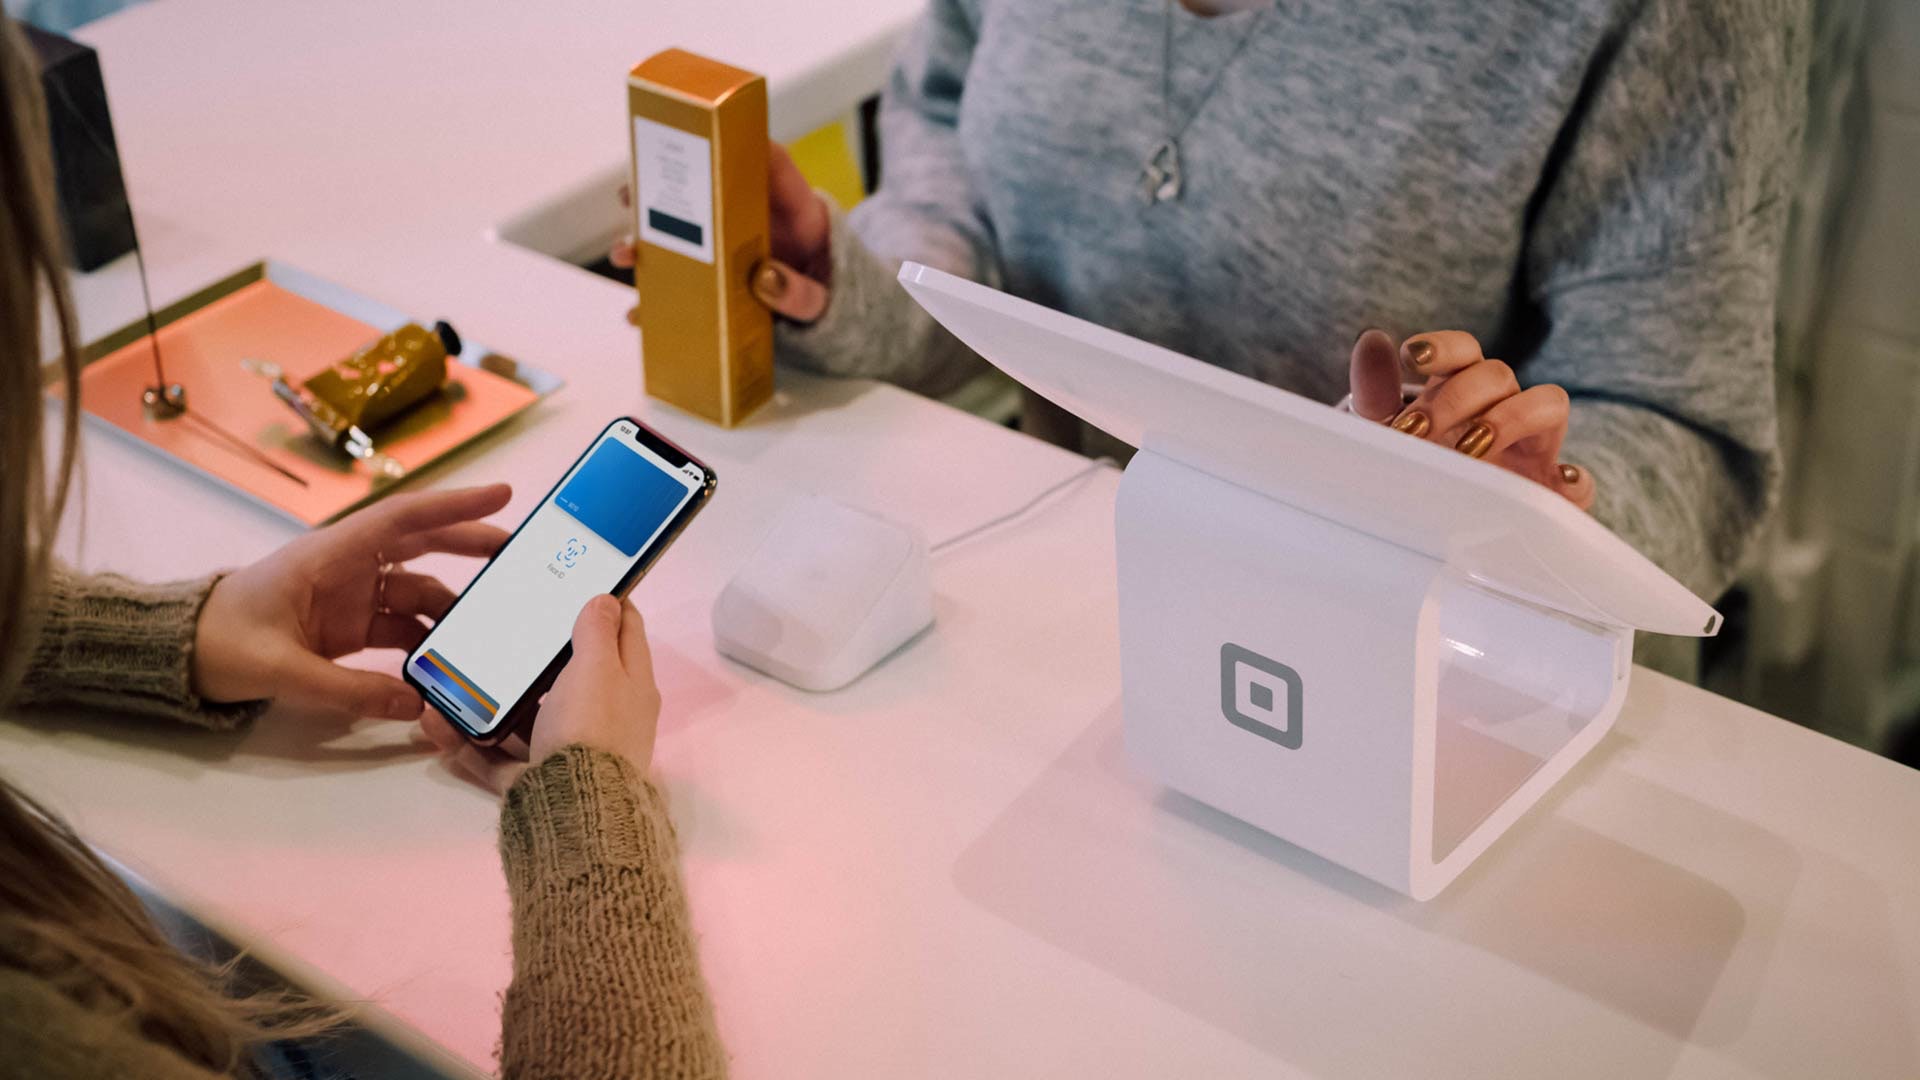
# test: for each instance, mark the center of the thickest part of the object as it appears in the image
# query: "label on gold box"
(674, 175)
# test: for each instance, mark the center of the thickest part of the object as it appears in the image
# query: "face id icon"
(570, 553)
(1260, 695)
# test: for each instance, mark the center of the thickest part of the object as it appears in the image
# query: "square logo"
(1260, 695)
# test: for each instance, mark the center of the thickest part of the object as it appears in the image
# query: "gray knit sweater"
(1593, 188)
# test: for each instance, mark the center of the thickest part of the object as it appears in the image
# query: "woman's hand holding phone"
(604, 698)
(273, 629)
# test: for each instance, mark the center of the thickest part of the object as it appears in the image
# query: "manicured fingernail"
(1414, 423)
(1477, 441)
(769, 283)
(1420, 353)
(1570, 473)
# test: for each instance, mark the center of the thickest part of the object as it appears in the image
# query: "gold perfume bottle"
(699, 132)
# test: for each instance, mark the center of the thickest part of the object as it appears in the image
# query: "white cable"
(967, 534)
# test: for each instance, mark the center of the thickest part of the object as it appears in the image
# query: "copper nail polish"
(1477, 441)
(1413, 422)
(1420, 353)
(1570, 473)
(769, 283)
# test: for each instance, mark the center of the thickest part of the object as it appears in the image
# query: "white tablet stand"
(1366, 644)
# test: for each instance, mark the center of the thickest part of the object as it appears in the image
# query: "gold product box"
(700, 209)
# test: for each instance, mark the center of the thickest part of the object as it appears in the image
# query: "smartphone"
(619, 506)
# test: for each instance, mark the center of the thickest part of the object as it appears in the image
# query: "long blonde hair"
(64, 916)
(30, 259)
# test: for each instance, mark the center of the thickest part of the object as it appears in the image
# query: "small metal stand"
(165, 401)
(168, 401)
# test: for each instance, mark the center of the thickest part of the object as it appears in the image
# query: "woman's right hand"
(604, 698)
(795, 281)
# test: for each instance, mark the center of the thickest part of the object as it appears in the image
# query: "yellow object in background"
(827, 160)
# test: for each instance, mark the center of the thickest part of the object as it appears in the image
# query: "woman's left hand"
(273, 629)
(1470, 403)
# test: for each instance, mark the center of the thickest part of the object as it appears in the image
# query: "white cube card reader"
(1369, 645)
(831, 591)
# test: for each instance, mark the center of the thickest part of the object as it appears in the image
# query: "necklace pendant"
(1160, 180)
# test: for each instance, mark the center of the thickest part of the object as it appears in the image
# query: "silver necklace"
(1160, 178)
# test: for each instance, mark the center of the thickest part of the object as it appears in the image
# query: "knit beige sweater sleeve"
(606, 981)
(107, 642)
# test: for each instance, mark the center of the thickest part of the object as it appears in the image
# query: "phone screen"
(597, 528)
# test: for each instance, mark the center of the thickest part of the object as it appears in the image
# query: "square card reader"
(1371, 646)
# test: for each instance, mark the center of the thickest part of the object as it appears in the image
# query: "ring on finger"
(380, 584)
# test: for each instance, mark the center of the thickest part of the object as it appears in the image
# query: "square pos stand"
(1371, 646)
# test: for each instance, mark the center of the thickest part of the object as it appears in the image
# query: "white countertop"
(946, 869)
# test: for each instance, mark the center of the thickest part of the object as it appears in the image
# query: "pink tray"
(272, 312)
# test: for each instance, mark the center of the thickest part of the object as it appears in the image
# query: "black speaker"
(86, 162)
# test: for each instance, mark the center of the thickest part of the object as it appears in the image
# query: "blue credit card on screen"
(621, 496)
